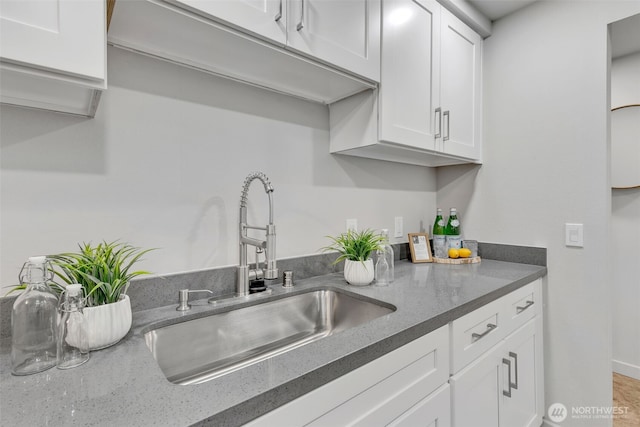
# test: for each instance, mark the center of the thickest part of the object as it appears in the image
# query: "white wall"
(546, 158)
(625, 235)
(163, 163)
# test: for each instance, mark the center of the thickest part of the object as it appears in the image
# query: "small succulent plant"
(355, 246)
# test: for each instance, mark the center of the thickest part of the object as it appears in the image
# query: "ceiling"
(496, 9)
(625, 34)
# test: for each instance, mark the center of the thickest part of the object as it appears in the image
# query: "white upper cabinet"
(428, 108)
(320, 50)
(53, 54)
(343, 33)
(460, 88)
(409, 94)
(265, 18)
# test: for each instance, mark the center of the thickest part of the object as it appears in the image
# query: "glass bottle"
(439, 236)
(382, 269)
(34, 320)
(389, 254)
(452, 230)
(386, 252)
(73, 344)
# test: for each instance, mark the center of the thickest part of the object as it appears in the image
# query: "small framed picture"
(420, 249)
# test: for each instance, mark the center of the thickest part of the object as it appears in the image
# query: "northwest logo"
(557, 412)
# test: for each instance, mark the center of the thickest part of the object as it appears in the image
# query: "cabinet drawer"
(374, 394)
(476, 332)
(394, 395)
(523, 304)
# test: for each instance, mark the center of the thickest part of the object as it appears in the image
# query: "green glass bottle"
(439, 236)
(452, 230)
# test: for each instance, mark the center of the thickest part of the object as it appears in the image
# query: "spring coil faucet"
(270, 271)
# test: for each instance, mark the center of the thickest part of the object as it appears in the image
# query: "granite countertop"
(123, 385)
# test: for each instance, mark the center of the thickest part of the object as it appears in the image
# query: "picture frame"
(420, 248)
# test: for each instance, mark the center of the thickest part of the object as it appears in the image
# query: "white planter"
(109, 323)
(358, 273)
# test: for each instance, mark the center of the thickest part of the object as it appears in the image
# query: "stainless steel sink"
(198, 350)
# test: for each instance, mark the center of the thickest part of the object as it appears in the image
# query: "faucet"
(270, 270)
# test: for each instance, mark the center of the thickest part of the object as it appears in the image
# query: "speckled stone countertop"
(123, 385)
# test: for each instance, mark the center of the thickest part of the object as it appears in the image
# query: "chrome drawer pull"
(438, 122)
(300, 25)
(445, 115)
(515, 359)
(521, 309)
(490, 327)
(508, 363)
(278, 16)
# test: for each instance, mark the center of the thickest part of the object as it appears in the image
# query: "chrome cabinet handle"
(490, 327)
(438, 123)
(515, 359)
(445, 114)
(508, 363)
(279, 14)
(301, 23)
(521, 309)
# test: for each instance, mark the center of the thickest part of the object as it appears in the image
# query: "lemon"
(454, 253)
(464, 253)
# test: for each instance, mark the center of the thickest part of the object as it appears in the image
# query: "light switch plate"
(574, 235)
(398, 231)
(352, 224)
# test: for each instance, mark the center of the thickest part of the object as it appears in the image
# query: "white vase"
(358, 273)
(108, 323)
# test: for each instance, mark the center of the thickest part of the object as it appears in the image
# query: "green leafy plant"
(104, 271)
(355, 246)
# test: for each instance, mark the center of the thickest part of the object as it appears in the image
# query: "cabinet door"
(55, 35)
(410, 73)
(524, 406)
(460, 89)
(266, 18)
(343, 33)
(476, 390)
(433, 411)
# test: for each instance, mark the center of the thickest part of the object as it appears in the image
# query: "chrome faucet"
(270, 270)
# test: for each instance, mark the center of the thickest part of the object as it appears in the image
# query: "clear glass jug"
(34, 326)
(73, 344)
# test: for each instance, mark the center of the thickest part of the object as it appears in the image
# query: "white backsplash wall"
(546, 163)
(625, 235)
(163, 163)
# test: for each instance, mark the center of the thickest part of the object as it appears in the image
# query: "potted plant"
(105, 272)
(355, 249)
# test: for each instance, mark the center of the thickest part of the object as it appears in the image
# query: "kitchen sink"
(201, 349)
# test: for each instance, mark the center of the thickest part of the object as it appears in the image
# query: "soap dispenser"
(34, 320)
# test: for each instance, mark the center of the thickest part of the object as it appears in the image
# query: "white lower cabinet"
(434, 410)
(504, 386)
(484, 369)
(475, 391)
(523, 404)
(405, 385)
